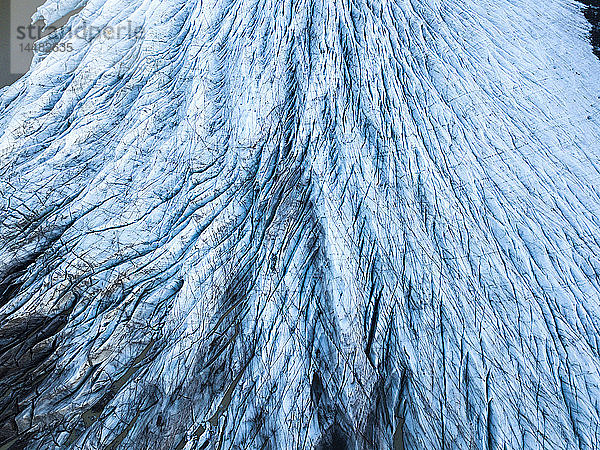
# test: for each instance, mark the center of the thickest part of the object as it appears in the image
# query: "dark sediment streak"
(592, 14)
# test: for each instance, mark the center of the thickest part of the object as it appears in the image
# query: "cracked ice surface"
(309, 224)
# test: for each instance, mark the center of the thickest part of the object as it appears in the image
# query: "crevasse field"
(307, 224)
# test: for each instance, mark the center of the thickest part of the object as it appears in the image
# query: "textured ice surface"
(274, 224)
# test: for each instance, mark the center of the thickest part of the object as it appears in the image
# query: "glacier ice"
(303, 224)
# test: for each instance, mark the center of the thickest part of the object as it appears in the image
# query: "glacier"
(328, 224)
